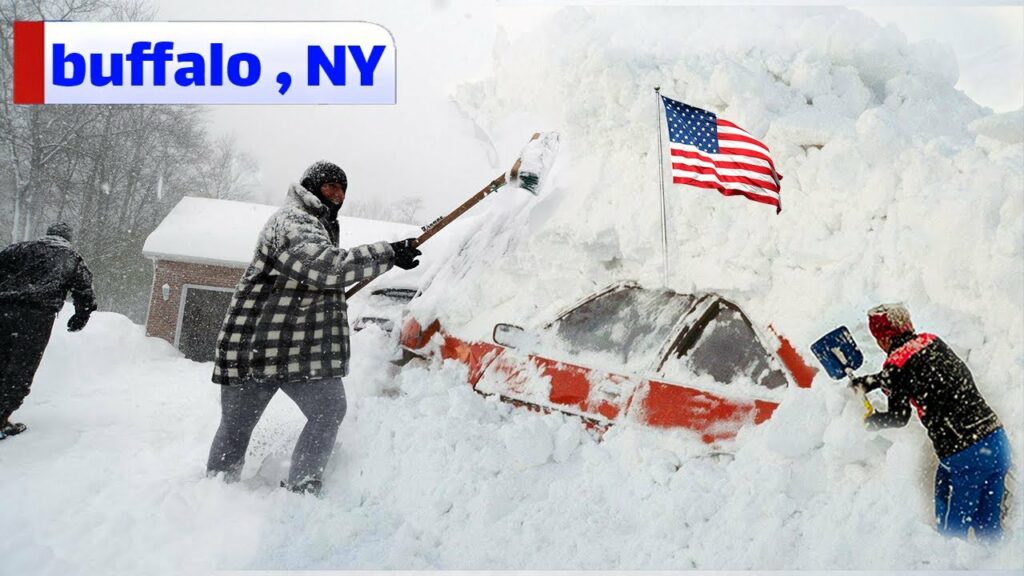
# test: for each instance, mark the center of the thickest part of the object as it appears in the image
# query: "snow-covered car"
(384, 308)
(629, 353)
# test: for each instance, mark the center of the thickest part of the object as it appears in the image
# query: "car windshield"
(725, 349)
(625, 327)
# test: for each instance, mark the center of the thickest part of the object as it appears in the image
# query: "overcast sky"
(988, 41)
(444, 42)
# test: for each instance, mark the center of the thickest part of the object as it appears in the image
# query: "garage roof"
(224, 232)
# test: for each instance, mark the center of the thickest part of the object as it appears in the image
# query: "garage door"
(202, 313)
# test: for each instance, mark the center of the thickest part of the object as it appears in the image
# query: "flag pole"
(661, 181)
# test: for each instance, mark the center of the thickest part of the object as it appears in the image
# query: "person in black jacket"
(923, 373)
(35, 278)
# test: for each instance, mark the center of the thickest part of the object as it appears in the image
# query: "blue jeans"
(969, 488)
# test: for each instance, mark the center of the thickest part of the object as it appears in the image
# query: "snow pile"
(1007, 127)
(897, 187)
(880, 157)
(427, 474)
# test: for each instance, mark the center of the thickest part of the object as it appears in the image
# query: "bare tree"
(35, 136)
(404, 210)
(230, 173)
(113, 172)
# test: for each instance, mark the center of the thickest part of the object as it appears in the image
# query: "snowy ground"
(897, 187)
(428, 474)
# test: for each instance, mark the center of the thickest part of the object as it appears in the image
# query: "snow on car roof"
(224, 232)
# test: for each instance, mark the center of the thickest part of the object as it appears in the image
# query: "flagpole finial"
(657, 89)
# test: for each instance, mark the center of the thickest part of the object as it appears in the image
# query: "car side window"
(626, 326)
(726, 349)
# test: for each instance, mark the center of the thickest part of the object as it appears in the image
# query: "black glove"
(865, 384)
(77, 322)
(406, 253)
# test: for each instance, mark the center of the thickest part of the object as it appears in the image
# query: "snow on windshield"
(727, 350)
(625, 328)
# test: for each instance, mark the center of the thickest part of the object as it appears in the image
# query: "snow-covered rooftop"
(224, 232)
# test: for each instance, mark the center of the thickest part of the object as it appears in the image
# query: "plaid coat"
(288, 317)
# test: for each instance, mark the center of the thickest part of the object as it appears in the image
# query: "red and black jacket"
(923, 371)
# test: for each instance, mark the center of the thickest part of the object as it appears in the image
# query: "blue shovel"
(838, 353)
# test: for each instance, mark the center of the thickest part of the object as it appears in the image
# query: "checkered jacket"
(288, 317)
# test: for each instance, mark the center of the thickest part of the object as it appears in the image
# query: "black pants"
(24, 332)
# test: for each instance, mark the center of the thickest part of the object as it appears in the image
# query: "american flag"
(709, 152)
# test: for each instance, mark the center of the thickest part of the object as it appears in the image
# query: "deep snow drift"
(896, 187)
(429, 474)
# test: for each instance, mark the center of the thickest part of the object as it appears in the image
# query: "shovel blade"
(837, 351)
(535, 161)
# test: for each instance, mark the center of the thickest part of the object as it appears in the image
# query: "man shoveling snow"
(287, 324)
(973, 450)
(287, 327)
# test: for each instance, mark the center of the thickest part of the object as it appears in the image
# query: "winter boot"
(9, 429)
(311, 487)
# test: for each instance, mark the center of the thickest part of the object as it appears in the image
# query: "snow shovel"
(839, 354)
(527, 174)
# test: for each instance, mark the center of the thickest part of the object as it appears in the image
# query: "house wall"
(162, 320)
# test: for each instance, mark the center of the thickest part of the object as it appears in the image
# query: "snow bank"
(428, 474)
(897, 187)
(877, 148)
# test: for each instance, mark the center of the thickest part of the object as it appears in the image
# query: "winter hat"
(889, 320)
(61, 229)
(320, 173)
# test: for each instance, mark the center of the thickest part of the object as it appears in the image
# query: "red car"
(629, 353)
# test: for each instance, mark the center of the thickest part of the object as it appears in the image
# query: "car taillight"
(802, 373)
(412, 334)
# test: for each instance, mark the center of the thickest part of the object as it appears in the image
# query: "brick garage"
(171, 281)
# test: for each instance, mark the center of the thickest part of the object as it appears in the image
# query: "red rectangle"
(29, 63)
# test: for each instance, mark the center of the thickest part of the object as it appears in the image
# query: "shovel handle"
(437, 225)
